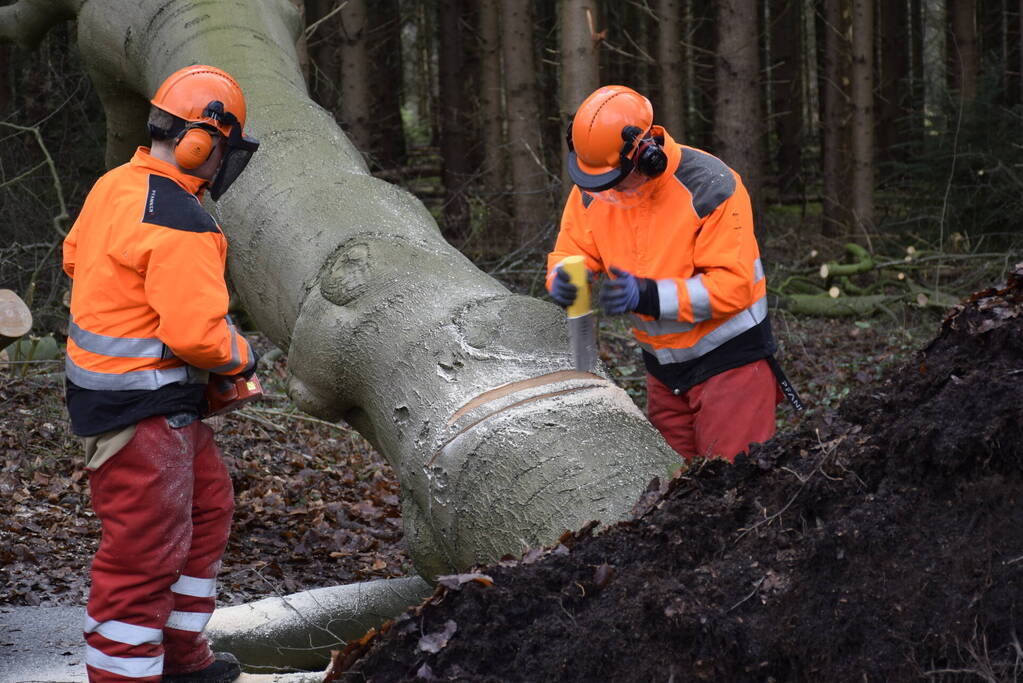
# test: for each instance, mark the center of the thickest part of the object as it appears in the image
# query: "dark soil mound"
(884, 543)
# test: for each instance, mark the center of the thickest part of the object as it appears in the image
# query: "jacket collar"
(144, 160)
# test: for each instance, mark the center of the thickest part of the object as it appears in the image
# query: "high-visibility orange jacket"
(148, 300)
(692, 235)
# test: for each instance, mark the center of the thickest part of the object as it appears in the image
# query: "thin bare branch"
(59, 219)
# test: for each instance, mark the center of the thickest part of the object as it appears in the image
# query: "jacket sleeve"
(71, 251)
(574, 238)
(185, 286)
(725, 263)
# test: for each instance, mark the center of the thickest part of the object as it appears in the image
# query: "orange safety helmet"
(604, 136)
(188, 92)
(208, 101)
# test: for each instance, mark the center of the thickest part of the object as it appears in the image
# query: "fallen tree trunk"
(15, 318)
(302, 629)
(464, 387)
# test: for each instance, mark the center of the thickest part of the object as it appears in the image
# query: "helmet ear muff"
(648, 157)
(651, 160)
(193, 147)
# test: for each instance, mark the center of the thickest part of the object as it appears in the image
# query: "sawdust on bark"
(881, 543)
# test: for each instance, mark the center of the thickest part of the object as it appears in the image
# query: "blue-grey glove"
(620, 295)
(562, 290)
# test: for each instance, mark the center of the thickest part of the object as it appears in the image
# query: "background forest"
(895, 125)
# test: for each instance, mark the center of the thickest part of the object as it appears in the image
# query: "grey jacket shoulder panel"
(709, 180)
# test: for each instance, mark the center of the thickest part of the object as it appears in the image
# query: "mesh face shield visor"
(628, 193)
(237, 153)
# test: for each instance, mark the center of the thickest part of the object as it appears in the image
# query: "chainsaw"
(224, 394)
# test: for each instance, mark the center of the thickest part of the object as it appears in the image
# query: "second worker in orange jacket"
(672, 227)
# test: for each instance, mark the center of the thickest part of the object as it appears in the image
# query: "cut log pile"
(15, 318)
(863, 285)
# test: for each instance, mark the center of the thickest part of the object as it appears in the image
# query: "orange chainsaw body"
(224, 394)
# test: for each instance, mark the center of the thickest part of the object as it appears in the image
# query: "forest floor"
(819, 557)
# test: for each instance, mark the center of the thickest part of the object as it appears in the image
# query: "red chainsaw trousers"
(165, 503)
(720, 417)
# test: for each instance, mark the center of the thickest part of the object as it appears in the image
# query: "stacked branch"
(837, 289)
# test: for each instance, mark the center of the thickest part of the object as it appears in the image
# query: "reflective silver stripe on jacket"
(733, 327)
(699, 299)
(118, 347)
(667, 294)
(236, 361)
(137, 379)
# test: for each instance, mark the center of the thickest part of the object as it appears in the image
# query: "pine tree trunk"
(835, 219)
(580, 64)
(670, 108)
(529, 176)
(738, 117)
(895, 79)
(5, 83)
(964, 60)
(787, 93)
(356, 100)
(324, 76)
(934, 59)
(385, 56)
(862, 119)
(453, 119)
(495, 160)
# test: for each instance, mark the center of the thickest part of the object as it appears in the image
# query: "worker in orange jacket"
(148, 326)
(672, 227)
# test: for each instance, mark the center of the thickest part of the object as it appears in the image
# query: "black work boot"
(224, 669)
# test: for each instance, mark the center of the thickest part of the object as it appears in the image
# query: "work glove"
(620, 295)
(562, 291)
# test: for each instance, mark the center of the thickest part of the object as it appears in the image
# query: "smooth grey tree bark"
(465, 388)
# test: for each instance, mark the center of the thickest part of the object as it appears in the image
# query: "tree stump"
(15, 318)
